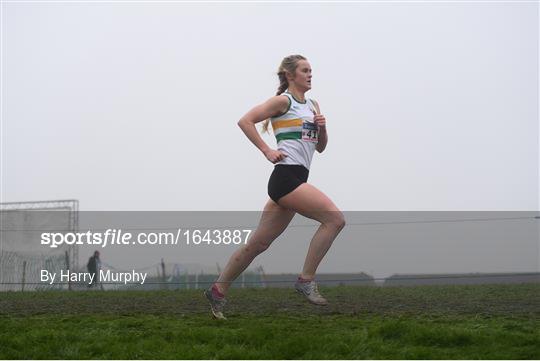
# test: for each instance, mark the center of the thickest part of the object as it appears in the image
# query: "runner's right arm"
(273, 106)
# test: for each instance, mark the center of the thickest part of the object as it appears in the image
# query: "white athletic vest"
(296, 133)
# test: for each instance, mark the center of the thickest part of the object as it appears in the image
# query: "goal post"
(21, 256)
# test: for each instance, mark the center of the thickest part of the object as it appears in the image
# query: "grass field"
(450, 322)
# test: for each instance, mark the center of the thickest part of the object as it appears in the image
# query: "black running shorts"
(285, 178)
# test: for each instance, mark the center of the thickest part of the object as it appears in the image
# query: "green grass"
(435, 322)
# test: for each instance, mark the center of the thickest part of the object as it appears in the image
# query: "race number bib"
(310, 132)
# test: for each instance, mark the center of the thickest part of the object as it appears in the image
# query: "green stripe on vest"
(289, 135)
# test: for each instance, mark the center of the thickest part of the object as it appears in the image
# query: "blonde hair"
(288, 65)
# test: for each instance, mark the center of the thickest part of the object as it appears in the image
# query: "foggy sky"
(133, 106)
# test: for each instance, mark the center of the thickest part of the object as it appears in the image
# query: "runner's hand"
(320, 120)
(274, 156)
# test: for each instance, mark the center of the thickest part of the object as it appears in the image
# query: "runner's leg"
(310, 202)
(274, 221)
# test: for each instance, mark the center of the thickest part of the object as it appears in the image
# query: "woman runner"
(300, 129)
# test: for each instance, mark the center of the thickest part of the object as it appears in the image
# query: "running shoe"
(216, 304)
(311, 291)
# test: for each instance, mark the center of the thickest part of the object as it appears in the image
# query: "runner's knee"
(336, 220)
